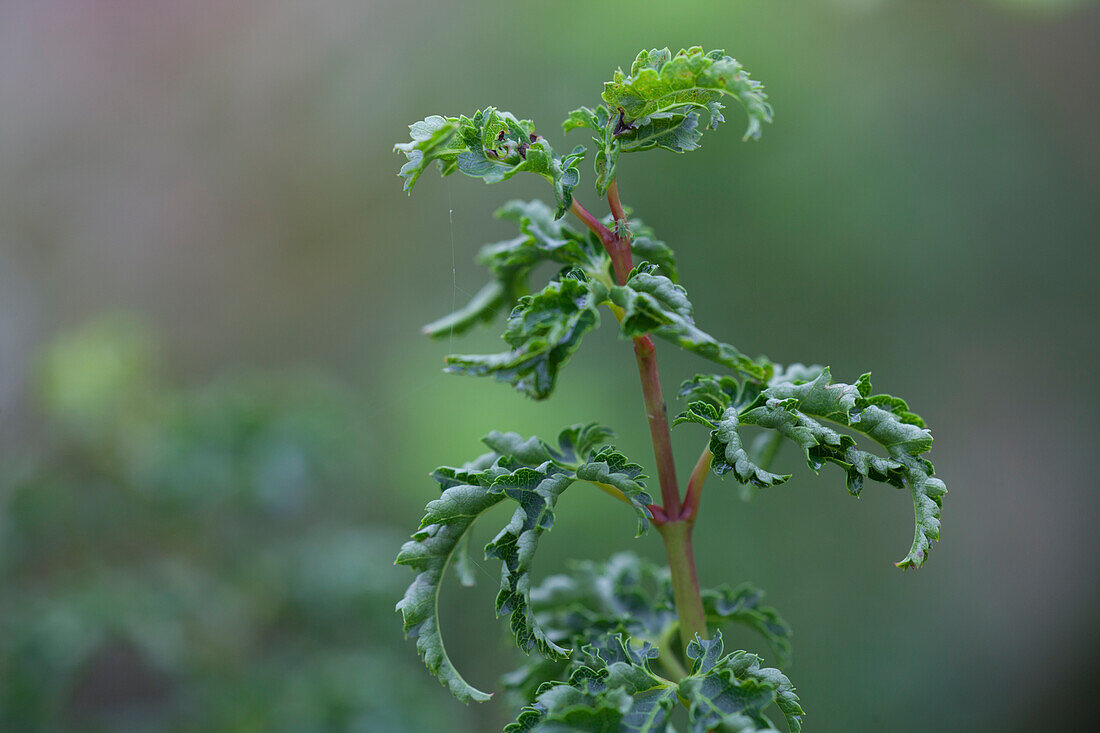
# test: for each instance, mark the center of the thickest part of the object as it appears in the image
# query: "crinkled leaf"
(565, 176)
(613, 691)
(536, 491)
(625, 594)
(654, 304)
(542, 238)
(531, 473)
(661, 83)
(492, 145)
(718, 391)
(429, 552)
(792, 404)
(793, 409)
(726, 447)
(607, 145)
(434, 138)
(623, 590)
(647, 248)
(733, 692)
(543, 330)
(609, 467)
(658, 106)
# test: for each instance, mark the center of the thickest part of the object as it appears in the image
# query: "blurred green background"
(217, 416)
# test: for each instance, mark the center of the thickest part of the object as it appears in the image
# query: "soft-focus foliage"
(164, 566)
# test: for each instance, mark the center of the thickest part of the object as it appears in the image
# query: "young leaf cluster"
(658, 105)
(493, 146)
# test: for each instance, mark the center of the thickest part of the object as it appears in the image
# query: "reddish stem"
(606, 235)
(655, 410)
(613, 201)
(695, 486)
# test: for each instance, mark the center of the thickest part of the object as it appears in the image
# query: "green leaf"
(790, 407)
(733, 692)
(660, 84)
(654, 304)
(658, 105)
(434, 138)
(530, 473)
(612, 468)
(541, 239)
(794, 400)
(717, 390)
(536, 491)
(429, 552)
(725, 444)
(626, 594)
(614, 691)
(492, 145)
(744, 605)
(647, 248)
(544, 331)
(481, 308)
(565, 176)
(608, 146)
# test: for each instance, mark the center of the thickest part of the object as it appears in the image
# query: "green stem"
(685, 583)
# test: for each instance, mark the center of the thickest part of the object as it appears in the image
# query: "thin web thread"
(454, 271)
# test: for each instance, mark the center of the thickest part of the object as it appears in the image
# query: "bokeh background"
(217, 416)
